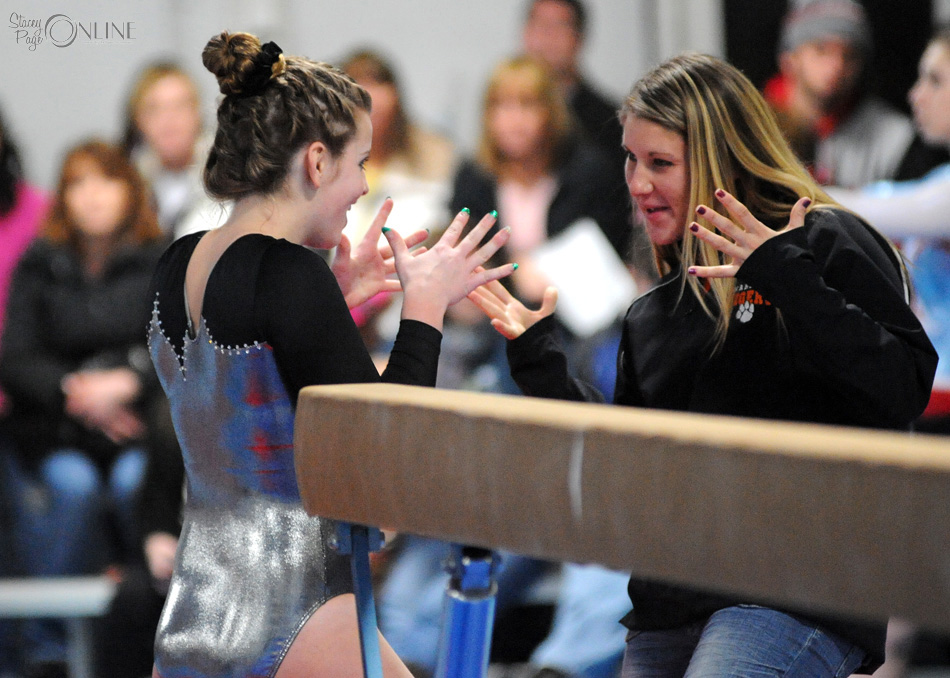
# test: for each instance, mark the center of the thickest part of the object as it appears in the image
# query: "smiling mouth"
(653, 210)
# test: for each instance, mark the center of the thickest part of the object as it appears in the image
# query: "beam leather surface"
(837, 520)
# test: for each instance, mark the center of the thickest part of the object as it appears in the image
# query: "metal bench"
(75, 600)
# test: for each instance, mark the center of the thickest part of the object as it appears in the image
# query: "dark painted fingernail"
(494, 214)
(694, 227)
(466, 210)
(700, 210)
(720, 193)
(691, 271)
(807, 202)
(386, 229)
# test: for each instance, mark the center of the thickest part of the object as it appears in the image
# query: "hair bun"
(233, 59)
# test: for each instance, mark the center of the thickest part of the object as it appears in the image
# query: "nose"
(914, 94)
(638, 181)
(365, 186)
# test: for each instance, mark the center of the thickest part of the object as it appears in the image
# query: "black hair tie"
(263, 69)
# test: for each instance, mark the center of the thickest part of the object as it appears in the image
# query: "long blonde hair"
(732, 142)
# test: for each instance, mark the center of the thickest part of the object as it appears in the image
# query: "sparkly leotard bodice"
(251, 566)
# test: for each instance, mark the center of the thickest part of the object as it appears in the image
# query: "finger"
(386, 252)
(477, 234)
(726, 271)
(499, 290)
(396, 243)
(452, 233)
(488, 250)
(548, 301)
(416, 238)
(799, 210)
(724, 245)
(487, 302)
(507, 330)
(343, 249)
(379, 221)
(490, 274)
(739, 212)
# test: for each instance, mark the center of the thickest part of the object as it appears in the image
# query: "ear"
(786, 62)
(317, 162)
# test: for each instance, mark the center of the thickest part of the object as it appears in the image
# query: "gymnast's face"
(657, 178)
(930, 96)
(343, 183)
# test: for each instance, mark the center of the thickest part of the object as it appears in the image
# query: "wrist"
(424, 309)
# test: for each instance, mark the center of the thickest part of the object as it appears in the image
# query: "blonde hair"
(540, 83)
(732, 142)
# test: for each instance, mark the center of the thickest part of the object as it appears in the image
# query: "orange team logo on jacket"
(745, 301)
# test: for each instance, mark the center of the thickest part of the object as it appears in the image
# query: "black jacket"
(845, 349)
(59, 321)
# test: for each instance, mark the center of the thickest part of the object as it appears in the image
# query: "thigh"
(660, 654)
(70, 474)
(329, 645)
(754, 641)
(126, 475)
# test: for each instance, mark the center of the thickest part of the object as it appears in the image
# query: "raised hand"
(368, 270)
(509, 316)
(744, 233)
(434, 280)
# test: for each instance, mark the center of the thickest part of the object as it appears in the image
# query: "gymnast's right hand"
(509, 316)
(448, 271)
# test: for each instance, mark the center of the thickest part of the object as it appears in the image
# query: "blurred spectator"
(915, 214)
(554, 31)
(22, 208)
(545, 182)
(79, 378)
(844, 135)
(163, 136)
(125, 636)
(409, 164)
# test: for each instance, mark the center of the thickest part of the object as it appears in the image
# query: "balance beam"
(835, 520)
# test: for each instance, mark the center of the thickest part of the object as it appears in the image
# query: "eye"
(661, 162)
(629, 156)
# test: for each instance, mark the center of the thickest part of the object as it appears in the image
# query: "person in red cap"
(843, 135)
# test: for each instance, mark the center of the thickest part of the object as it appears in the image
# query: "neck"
(528, 171)
(94, 252)
(271, 215)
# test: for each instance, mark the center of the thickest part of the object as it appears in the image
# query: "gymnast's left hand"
(741, 234)
(370, 268)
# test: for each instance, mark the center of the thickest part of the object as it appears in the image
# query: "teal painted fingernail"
(494, 214)
(466, 210)
(514, 267)
(386, 229)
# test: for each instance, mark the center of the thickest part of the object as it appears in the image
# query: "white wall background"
(52, 97)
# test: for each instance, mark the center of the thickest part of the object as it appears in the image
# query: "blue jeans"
(59, 523)
(739, 642)
(586, 638)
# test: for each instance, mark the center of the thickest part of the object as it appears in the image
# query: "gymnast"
(243, 317)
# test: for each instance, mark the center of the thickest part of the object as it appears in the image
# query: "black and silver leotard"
(251, 565)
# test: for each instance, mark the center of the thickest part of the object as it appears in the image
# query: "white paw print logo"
(744, 312)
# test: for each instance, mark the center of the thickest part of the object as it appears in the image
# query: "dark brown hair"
(263, 122)
(139, 223)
